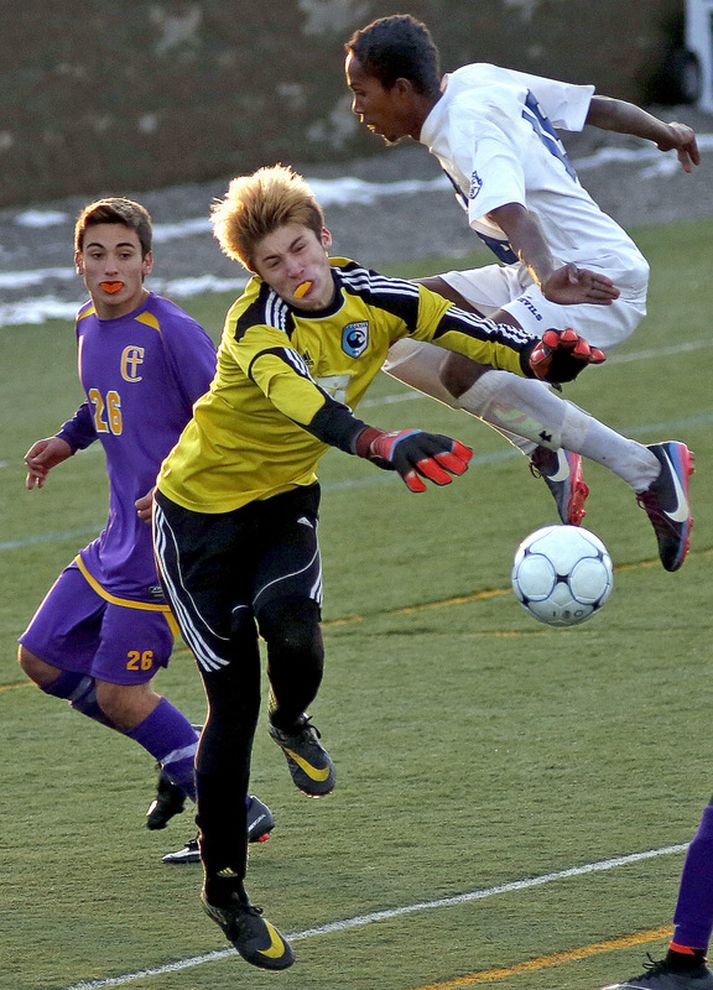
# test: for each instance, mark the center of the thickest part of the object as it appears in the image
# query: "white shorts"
(510, 288)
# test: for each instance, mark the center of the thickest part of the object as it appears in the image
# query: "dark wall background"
(101, 97)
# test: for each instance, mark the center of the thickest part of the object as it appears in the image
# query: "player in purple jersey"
(684, 965)
(104, 629)
(494, 133)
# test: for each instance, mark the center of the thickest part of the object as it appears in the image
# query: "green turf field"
(475, 748)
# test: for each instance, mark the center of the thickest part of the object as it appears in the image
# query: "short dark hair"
(115, 209)
(396, 47)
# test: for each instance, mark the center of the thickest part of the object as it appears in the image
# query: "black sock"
(220, 890)
(684, 962)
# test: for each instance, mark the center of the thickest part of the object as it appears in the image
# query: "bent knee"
(39, 671)
(458, 373)
(291, 626)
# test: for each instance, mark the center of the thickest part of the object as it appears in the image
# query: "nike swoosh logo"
(277, 946)
(680, 513)
(562, 473)
(312, 772)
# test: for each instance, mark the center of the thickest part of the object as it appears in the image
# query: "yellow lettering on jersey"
(107, 413)
(132, 357)
(139, 660)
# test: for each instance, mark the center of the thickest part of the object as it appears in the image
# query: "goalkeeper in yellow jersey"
(236, 504)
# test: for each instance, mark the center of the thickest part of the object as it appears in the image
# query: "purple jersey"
(142, 373)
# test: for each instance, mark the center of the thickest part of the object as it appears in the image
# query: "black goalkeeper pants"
(226, 576)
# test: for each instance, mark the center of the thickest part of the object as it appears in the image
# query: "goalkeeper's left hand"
(415, 455)
(560, 356)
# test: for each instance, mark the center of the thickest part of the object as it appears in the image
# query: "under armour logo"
(545, 436)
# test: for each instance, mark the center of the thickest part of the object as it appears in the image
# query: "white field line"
(360, 921)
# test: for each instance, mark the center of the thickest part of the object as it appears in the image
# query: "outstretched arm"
(610, 114)
(281, 374)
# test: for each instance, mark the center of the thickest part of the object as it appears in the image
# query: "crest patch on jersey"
(355, 338)
(476, 184)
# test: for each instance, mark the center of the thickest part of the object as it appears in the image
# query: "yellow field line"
(349, 620)
(486, 593)
(15, 687)
(556, 959)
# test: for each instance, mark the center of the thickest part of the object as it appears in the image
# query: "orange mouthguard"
(111, 287)
(302, 289)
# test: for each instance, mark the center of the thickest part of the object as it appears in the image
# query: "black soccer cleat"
(170, 800)
(261, 820)
(665, 502)
(660, 976)
(257, 941)
(308, 761)
(561, 471)
(260, 823)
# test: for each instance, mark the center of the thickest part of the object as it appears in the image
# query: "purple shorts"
(118, 641)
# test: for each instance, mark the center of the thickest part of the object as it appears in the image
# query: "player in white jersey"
(493, 131)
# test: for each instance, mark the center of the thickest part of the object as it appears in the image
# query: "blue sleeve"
(79, 431)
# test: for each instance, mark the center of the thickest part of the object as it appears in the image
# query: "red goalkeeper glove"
(415, 455)
(561, 355)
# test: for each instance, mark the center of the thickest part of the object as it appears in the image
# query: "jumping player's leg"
(463, 384)
(520, 409)
(223, 762)
(501, 399)
(205, 563)
(196, 556)
(287, 598)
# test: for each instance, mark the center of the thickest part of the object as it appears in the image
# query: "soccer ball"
(562, 575)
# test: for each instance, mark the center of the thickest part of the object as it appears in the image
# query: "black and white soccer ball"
(562, 575)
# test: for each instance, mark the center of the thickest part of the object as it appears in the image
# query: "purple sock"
(693, 919)
(171, 739)
(80, 691)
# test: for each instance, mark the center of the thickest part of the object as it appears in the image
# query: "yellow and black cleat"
(308, 761)
(252, 936)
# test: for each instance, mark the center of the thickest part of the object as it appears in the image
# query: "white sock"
(516, 407)
(632, 461)
(530, 409)
(418, 363)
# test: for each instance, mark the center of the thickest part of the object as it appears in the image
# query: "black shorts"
(212, 565)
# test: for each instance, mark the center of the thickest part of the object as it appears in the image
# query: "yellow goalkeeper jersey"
(287, 380)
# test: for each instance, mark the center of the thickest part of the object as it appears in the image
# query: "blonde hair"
(115, 209)
(256, 205)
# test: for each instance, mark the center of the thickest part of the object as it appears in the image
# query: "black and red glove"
(560, 356)
(415, 455)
